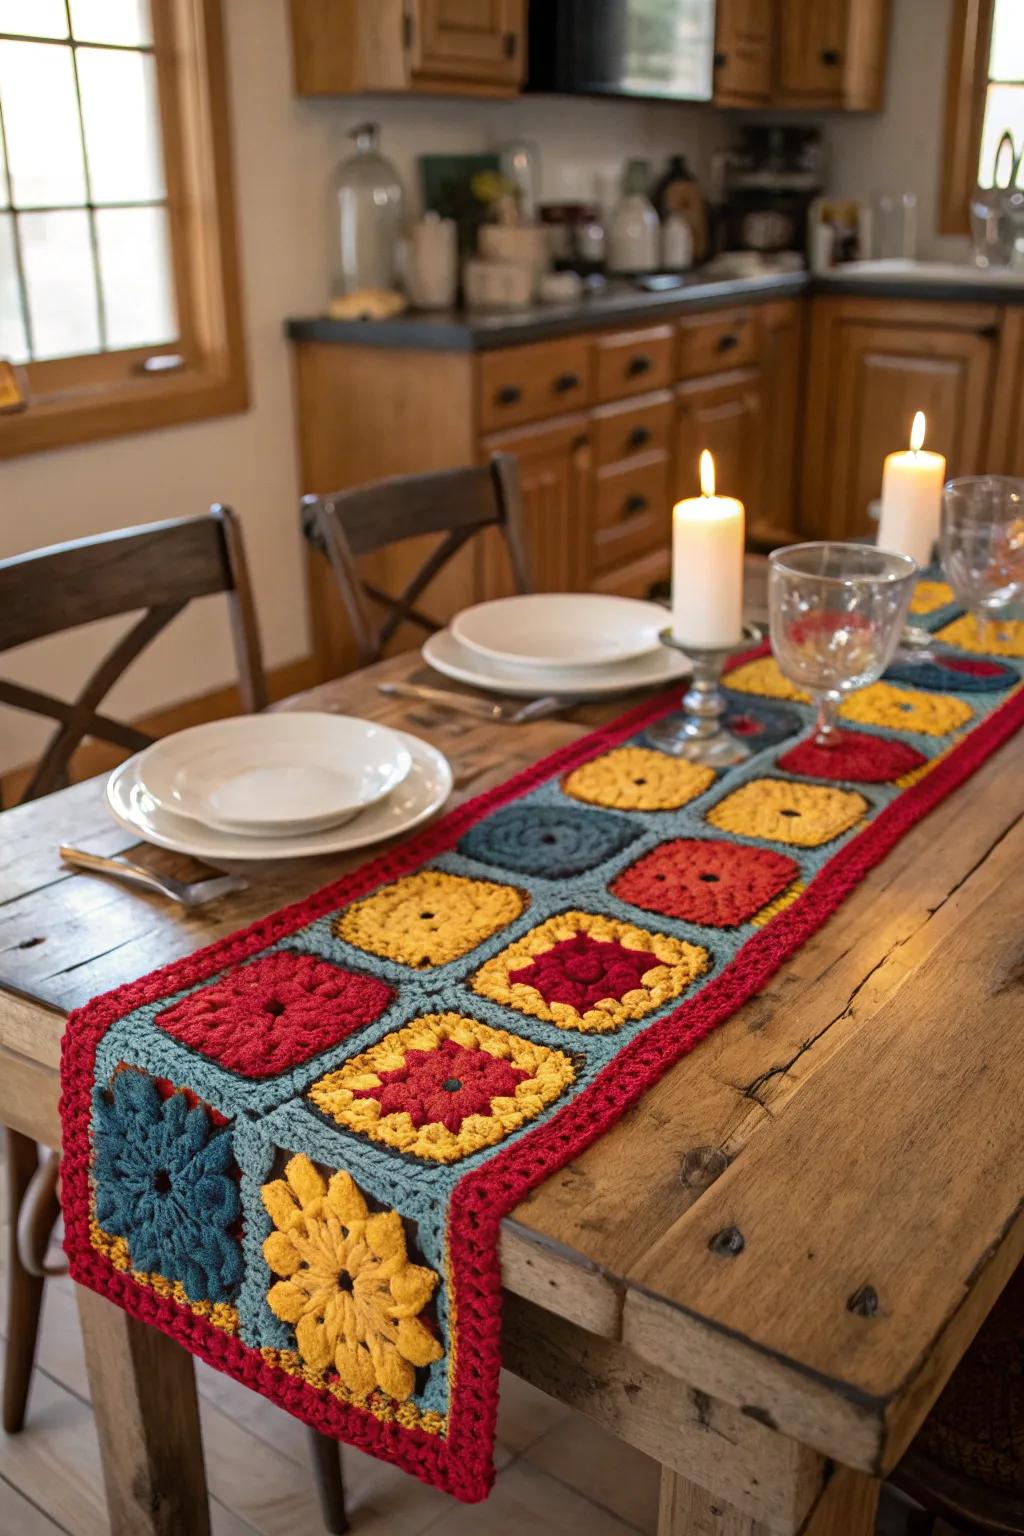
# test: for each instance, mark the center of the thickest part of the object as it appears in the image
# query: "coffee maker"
(765, 185)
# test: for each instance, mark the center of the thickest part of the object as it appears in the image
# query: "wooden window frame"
(966, 93)
(110, 394)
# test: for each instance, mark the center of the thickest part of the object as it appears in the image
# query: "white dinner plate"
(560, 630)
(658, 668)
(274, 775)
(424, 790)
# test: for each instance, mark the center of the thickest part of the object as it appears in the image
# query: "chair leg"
(330, 1486)
(24, 1290)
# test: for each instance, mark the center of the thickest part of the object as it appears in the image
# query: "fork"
(480, 709)
(190, 894)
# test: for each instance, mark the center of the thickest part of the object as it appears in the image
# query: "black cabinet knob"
(721, 60)
(509, 394)
(510, 43)
(727, 342)
(639, 437)
(638, 365)
(831, 57)
(634, 504)
(565, 382)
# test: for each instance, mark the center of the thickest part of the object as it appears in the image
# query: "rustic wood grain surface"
(857, 1123)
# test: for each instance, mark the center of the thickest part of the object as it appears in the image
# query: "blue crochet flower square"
(166, 1181)
(552, 841)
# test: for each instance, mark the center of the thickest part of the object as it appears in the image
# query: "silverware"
(191, 894)
(480, 709)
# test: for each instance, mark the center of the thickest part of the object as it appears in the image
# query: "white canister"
(634, 236)
(432, 265)
(677, 243)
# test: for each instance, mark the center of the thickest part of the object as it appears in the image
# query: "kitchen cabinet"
(873, 364)
(832, 53)
(775, 518)
(744, 50)
(451, 47)
(555, 481)
(722, 414)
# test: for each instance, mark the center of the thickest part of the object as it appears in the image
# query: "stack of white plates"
(278, 786)
(573, 643)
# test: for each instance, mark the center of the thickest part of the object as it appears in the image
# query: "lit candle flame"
(917, 433)
(707, 474)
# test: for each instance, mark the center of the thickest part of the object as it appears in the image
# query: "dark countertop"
(486, 330)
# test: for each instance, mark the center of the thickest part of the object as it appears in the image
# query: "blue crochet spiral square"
(552, 841)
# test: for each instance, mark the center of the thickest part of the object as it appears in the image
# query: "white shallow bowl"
(274, 775)
(424, 790)
(579, 630)
(655, 669)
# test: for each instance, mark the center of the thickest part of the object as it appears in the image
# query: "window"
(985, 98)
(119, 298)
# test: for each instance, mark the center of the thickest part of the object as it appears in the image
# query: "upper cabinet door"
(468, 40)
(812, 48)
(743, 52)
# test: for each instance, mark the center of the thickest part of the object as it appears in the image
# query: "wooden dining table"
(763, 1275)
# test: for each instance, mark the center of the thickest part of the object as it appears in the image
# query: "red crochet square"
(261, 1019)
(582, 970)
(856, 757)
(719, 885)
(444, 1086)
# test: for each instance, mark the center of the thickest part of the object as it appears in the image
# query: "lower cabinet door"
(722, 414)
(555, 480)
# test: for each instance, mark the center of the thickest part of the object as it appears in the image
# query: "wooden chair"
(160, 569)
(966, 1465)
(458, 502)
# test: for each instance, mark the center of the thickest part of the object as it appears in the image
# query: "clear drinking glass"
(982, 544)
(836, 613)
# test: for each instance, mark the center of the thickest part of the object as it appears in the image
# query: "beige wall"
(285, 150)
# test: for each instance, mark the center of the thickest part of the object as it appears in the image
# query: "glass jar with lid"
(369, 215)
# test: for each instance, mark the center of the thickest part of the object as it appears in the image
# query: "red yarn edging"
(461, 1462)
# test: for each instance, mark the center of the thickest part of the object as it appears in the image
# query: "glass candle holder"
(697, 732)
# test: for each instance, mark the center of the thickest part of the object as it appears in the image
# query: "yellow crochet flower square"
(581, 970)
(1003, 637)
(638, 779)
(764, 677)
(805, 815)
(906, 709)
(930, 595)
(443, 1086)
(429, 918)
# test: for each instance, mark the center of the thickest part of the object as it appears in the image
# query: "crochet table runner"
(293, 1150)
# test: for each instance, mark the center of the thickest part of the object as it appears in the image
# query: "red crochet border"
(461, 1462)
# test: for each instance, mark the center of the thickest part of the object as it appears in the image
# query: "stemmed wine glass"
(836, 612)
(982, 544)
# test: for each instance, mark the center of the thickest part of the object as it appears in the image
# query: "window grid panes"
(85, 239)
(1004, 100)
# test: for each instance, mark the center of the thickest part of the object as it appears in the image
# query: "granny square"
(275, 1013)
(805, 815)
(930, 596)
(638, 779)
(854, 755)
(429, 918)
(552, 841)
(905, 709)
(443, 1086)
(961, 674)
(764, 677)
(760, 725)
(1002, 637)
(581, 970)
(701, 880)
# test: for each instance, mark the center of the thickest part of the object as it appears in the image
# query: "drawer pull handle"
(721, 60)
(509, 394)
(639, 437)
(638, 365)
(831, 56)
(634, 504)
(727, 342)
(565, 382)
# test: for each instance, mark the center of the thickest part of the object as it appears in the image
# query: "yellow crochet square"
(794, 892)
(930, 595)
(638, 779)
(805, 815)
(353, 1095)
(764, 677)
(1003, 637)
(429, 918)
(674, 965)
(906, 709)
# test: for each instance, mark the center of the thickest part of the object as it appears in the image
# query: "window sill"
(85, 416)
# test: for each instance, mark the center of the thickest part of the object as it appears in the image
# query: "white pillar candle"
(912, 499)
(707, 566)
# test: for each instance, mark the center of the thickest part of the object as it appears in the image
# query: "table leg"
(846, 1508)
(147, 1414)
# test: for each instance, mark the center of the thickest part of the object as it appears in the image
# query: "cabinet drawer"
(632, 362)
(715, 343)
(639, 578)
(632, 510)
(623, 431)
(520, 384)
